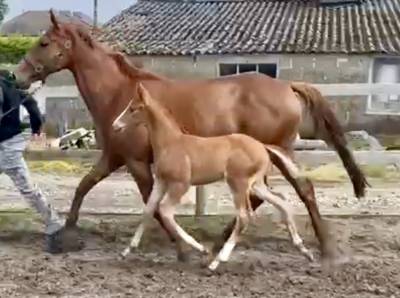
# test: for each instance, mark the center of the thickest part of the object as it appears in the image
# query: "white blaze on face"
(120, 122)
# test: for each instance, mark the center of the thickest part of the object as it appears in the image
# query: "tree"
(3, 9)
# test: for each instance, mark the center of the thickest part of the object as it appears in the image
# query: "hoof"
(71, 241)
(182, 252)
(183, 257)
(310, 257)
(123, 254)
(213, 266)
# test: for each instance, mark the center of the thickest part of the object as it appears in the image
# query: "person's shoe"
(54, 242)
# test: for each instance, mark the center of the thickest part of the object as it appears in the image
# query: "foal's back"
(205, 160)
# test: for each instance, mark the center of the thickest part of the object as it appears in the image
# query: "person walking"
(12, 146)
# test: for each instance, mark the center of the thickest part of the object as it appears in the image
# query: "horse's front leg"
(102, 169)
(69, 240)
(141, 172)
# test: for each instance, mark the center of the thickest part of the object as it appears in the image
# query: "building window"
(226, 69)
(385, 71)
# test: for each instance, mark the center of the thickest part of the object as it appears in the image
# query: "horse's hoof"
(183, 257)
(183, 252)
(71, 241)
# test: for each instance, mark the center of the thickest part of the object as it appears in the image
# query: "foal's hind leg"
(279, 202)
(167, 210)
(148, 212)
(241, 223)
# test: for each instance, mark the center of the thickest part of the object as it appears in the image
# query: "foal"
(182, 160)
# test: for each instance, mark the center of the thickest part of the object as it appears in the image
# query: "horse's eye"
(44, 44)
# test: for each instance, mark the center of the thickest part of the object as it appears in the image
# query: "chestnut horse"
(267, 109)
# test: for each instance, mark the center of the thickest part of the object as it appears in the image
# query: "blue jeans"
(13, 164)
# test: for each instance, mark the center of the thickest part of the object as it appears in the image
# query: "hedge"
(13, 48)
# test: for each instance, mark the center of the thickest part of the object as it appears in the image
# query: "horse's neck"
(96, 92)
(162, 129)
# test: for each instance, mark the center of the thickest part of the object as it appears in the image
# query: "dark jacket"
(10, 100)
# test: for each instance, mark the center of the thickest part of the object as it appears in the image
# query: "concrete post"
(200, 200)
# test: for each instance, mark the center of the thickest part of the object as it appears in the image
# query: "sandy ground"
(264, 265)
(119, 194)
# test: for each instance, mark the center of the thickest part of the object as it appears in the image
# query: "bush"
(13, 48)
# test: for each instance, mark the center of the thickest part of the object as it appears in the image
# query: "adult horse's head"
(52, 53)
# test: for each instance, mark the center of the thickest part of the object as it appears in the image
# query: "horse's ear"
(53, 20)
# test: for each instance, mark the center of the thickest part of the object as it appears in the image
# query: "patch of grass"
(61, 167)
(327, 173)
(18, 220)
(336, 173)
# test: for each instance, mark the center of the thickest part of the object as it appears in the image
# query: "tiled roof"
(186, 27)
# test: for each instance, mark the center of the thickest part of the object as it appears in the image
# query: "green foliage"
(3, 9)
(13, 48)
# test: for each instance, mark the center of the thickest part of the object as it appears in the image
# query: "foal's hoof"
(310, 257)
(123, 254)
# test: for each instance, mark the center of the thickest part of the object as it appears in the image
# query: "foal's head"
(134, 109)
(53, 52)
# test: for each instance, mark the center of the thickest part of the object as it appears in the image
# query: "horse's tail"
(329, 129)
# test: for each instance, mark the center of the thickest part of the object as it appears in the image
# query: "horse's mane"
(132, 71)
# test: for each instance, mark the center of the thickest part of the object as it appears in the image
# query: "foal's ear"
(143, 94)
(53, 20)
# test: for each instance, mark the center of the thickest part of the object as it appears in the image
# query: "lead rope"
(25, 99)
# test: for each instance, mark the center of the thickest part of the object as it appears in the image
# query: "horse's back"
(254, 104)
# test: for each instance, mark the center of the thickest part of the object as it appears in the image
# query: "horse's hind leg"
(167, 211)
(280, 203)
(148, 212)
(104, 167)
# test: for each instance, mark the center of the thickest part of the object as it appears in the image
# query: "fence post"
(200, 200)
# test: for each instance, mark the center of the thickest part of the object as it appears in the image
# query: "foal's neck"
(163, 129)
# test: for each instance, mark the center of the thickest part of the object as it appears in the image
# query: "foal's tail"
(329, 129)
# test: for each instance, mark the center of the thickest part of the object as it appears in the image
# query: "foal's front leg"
(148, 213)
(141, 172)
(167, 211)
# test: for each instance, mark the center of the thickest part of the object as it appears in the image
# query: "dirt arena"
(264, 265)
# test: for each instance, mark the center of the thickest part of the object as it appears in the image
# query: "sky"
(107, 8)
